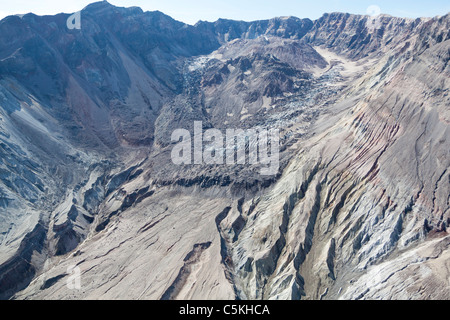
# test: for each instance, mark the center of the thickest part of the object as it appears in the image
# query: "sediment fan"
(92, 205)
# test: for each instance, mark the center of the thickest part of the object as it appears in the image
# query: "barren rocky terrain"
(359, 208)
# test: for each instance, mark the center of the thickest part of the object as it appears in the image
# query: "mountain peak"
(359, 190)
(99, 5)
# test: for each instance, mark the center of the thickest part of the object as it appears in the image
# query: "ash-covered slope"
(359, 207)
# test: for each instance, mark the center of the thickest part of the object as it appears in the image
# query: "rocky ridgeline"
(358, 209)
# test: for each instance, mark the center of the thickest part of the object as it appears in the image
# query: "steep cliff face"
(359, 208)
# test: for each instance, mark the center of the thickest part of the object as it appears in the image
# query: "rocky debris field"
(359, 208)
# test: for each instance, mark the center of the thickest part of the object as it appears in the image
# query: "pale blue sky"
(190, 11)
